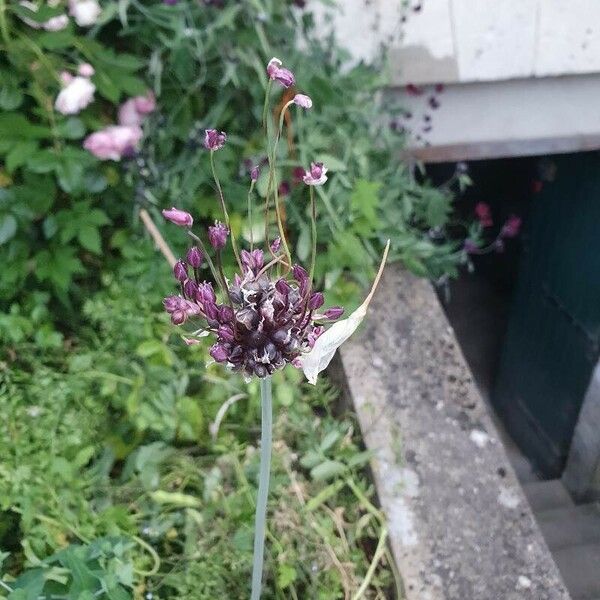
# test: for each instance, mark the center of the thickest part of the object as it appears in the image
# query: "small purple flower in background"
(484, 214)
(512, 227)
(316, 175)
(254, 173)
(170, 2)
(179, 217)
(217, 235)
(284, 188)
(303, 101)
(280, 74)
(214, 140)
(276, 245)
(499, 246)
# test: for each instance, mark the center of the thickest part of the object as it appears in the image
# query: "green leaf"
(11, 96)
(56, 40)
(329, 440)
(70, 175)
(89, 238)
(8, 228)
(327, 470)
(15, 125)
(20, 154)
(175, 499)
(71, 128)
(286, 575)
(43, 161)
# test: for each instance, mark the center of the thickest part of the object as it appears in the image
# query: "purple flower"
(190, 288)
(276, 245)
(499, 246)
(205, 293)
(219, 352)
(254, 173)
(512, 227)
(335, 312)
(315, 301)
(180, 271)
(214, 140)
(194, 257)
(484, 214)
(302, 101)
(316, 175)
(253, 261)
(217, 235)
(280, 74)
(179, 217)
(178, 317)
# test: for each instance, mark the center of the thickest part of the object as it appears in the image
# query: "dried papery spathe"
(325, 346)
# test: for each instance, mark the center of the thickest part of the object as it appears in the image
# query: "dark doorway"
(528, 318)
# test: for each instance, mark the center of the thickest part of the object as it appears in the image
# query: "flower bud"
(217, 235)
(219, 352)
(253, 261)
(214, 140)
(335, 312)
(179, 217)
(280, 74)
(303, 101)
(225, 332)
(283, 287)
(178, 317)
(315, 301)
(225, 313)
(180, 271)
(301, 276)
(173, 303)
(254, 173)
(511, 228)
(194, 257)
(276, 245)
(190, 288)
(205, 293)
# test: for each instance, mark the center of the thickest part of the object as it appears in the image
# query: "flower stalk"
(266, 441)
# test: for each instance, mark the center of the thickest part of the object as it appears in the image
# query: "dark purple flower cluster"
(265, 323)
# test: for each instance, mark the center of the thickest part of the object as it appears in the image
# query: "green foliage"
(114, 483)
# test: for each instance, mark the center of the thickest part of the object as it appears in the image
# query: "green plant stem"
(263, 486)
(211, 265)
(3, 24)
(266, 106)
(379, 552)
(223, 207)
(313, 229)
(250, 220)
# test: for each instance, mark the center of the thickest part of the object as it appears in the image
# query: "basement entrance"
(528, 318)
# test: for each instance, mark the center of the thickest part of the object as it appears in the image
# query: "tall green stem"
(224, 207)
(313, 228)
(263, 486)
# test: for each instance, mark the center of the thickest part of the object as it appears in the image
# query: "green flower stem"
(3, 25)
(250, 220)
(224, 208)
(313, 229)
(266, 106)
(263, 486)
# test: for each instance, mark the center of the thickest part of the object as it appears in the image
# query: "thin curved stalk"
(313, 229)
(260, 518)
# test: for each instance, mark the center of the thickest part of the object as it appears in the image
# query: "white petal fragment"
(326, 345)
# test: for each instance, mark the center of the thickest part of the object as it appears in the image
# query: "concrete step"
(579, 566)
(571, 526)
(546, 495)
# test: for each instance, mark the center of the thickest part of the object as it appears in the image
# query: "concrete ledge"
(461, 528)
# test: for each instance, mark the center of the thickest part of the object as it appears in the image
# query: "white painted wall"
(454, 41)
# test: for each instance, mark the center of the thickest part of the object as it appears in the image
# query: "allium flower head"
(303, 101)
(217, 235)
(316, 175)
(179, 217)
(214, 140)
(280, 74)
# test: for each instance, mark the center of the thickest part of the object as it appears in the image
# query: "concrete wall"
(459, 41)
(521, 77)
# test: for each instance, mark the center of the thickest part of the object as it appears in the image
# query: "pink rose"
(75, 96)
(132, 111)
(113, 142)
